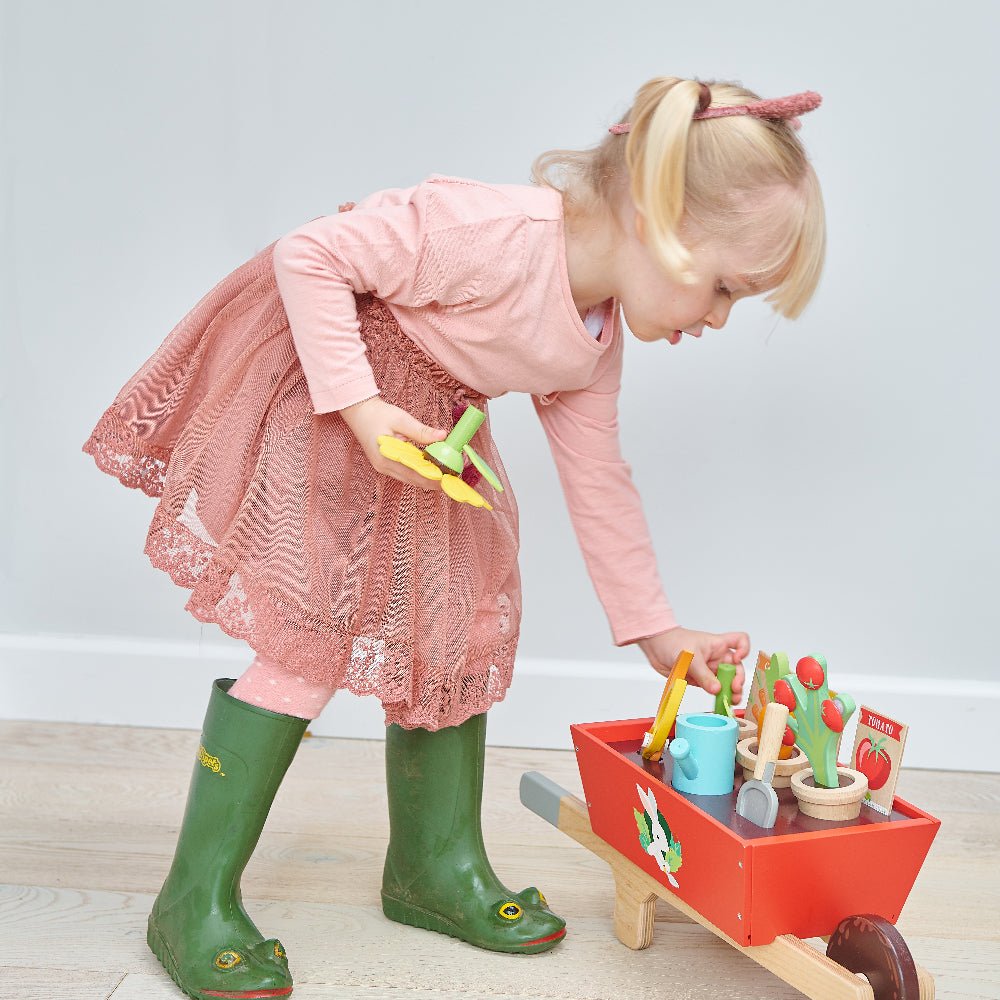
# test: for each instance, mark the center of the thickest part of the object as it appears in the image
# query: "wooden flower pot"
(746, 757)
(830, 803)
(748, 728)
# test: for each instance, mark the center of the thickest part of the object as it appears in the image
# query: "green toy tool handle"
(724, 699)
(449, 451)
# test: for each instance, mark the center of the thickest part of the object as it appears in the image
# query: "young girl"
(257, 424)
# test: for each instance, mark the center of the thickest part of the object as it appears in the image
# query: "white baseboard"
(134, 682)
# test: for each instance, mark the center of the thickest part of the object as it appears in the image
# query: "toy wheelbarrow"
(763, 891)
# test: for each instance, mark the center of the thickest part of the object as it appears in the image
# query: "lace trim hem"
(120, 452)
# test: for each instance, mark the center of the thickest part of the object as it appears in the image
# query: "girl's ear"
(640, 227)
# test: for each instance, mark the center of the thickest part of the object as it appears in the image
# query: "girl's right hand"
(371, 418)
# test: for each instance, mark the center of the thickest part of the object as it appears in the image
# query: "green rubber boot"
(198, 928)
(437, 875)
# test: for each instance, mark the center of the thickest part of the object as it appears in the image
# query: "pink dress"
(269, 511)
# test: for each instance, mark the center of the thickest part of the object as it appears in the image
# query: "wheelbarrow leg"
(635, 908)
(926, 983)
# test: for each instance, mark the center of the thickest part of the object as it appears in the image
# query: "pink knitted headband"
(788, 108)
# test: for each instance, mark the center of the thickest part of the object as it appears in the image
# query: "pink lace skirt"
(287, 537)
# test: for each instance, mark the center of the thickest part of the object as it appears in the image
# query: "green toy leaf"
(487, 473)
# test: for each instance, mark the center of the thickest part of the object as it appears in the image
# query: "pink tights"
(267, 684)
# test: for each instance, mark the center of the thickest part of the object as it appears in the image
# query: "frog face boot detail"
(437, 874)
(198, 928)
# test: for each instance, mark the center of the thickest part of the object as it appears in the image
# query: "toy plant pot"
(830, 803)
(746, 758)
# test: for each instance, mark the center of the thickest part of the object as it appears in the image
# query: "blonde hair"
(709, 175)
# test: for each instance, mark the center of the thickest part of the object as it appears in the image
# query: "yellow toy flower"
(460, 490)
(409, 455)
(446, 455)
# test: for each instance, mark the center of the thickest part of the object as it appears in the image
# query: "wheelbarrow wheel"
(872, 946)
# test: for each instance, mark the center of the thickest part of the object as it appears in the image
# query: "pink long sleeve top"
(476, 275)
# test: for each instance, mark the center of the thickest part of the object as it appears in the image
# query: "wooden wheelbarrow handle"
(789, 958)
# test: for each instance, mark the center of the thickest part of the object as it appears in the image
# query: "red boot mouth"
(248, 994)
(545, 940)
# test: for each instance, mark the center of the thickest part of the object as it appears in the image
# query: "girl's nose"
(716, 319)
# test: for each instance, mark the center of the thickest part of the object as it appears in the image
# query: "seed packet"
(878, 750)
(757, 702)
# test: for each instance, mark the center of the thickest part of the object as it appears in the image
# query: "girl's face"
(656, 307)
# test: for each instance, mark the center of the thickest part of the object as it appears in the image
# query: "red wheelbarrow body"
(802, 877)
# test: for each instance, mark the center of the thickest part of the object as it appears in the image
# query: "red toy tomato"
(788, 737)
(831, 716)
(874, 763)
(784, 695)
(810, 672)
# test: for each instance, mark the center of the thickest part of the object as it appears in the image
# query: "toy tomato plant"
(818, 715)
(873, 761)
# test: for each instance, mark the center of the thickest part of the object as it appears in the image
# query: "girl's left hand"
(709, 651)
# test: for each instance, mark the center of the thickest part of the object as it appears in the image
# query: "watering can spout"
(680, 750)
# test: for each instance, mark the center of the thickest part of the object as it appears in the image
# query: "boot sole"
(417, 916)
(159, 948)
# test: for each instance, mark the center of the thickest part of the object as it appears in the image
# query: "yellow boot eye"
(542, 899)
(227, 959)
(510, 911)
(279, 952)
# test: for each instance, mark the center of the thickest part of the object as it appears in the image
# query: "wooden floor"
(89, 820)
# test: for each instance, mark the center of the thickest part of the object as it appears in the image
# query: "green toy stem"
(449, 451)
(463, 432)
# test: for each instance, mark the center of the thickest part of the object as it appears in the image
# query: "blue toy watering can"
(704, 752)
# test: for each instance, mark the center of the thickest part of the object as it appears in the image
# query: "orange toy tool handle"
(670, 702)
(677, 673)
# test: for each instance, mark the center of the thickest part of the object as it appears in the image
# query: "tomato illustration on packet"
(878, 750)
(874, 762)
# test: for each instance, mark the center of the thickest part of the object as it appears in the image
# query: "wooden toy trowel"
(757, 800)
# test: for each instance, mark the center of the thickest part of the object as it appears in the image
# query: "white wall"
(828, 484)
